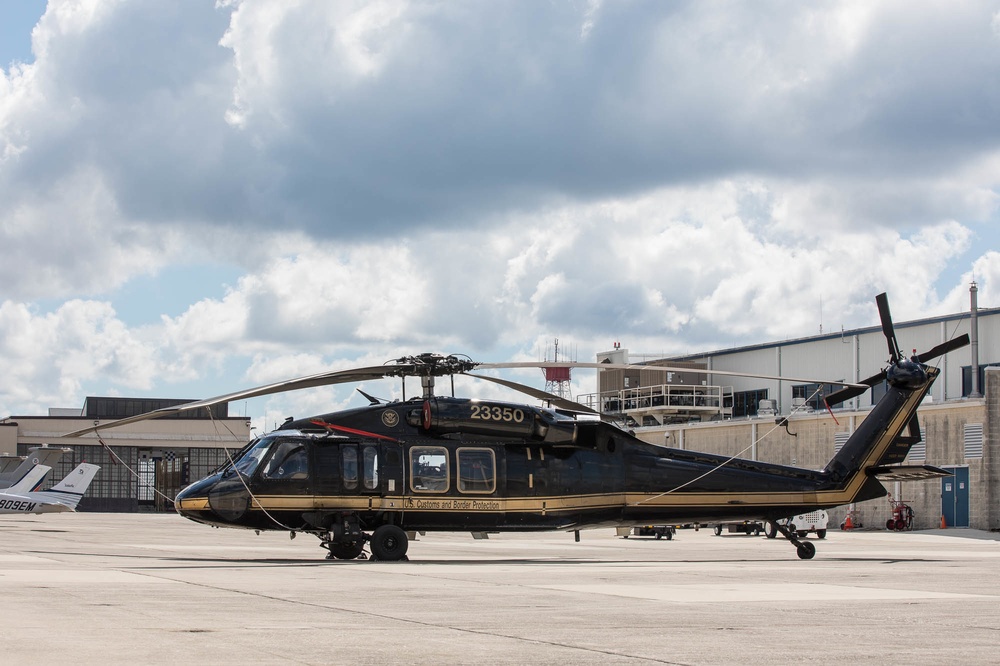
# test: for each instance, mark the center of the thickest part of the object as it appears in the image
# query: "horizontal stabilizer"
(907, 472)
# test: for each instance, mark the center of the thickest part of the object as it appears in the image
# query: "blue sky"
(19, 17)
(210, 196)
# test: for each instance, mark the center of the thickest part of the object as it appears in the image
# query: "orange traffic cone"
(943, 523)
(848, 525)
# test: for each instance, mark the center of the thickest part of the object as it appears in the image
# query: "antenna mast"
(557, 379)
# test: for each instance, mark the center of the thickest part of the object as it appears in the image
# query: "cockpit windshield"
(230, 457)
(247, 463)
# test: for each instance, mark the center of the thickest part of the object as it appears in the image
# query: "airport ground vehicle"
(813, 522)
(658, 531)
(749, 527)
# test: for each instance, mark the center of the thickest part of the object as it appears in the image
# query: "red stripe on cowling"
(352, 431)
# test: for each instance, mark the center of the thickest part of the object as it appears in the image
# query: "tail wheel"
(389, 543)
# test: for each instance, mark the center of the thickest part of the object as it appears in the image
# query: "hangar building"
(142, 464)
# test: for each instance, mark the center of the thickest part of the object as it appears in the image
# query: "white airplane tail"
(29, 481)
(40, 455)
(70, 490)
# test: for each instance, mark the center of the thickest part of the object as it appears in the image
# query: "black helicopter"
(373, 475)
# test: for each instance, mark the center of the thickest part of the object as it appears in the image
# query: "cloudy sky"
(200, 197)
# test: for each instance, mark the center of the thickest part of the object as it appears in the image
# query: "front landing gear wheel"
(389, 543)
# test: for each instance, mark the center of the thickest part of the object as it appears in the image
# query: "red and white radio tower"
(557, 379)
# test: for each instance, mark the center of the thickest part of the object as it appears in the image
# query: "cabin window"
(429, 469)
(289, 460)
(476, 470)
(349, 457)
(371, 467)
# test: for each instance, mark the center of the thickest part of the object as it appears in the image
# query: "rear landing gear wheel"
(805, 550)
(718, 530)
(389, 543)
(770, 530)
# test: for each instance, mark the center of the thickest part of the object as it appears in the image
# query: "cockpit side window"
(289, 460)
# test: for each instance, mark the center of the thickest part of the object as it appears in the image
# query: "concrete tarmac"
(157, 589)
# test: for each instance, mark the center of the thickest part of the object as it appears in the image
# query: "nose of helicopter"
(193, 500)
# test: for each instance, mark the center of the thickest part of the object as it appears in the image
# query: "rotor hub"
(906, 374)
(432, 365)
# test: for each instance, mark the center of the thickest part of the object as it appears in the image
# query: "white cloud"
(48, 357)
(395, 177)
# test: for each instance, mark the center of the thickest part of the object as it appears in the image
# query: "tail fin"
(883, 438)
(880, 440)
(39, 455)
(10, 478)
(30, 480)
(70, 490)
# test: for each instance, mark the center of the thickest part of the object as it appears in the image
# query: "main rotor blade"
(845, 394)
(853, 391)
(562, 403)
(887, 329)
(659, 368)
(310, 381)
(944, 348)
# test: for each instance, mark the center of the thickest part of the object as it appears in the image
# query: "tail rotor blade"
(890, 334)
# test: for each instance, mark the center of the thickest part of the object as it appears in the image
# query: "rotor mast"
(427, 367)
